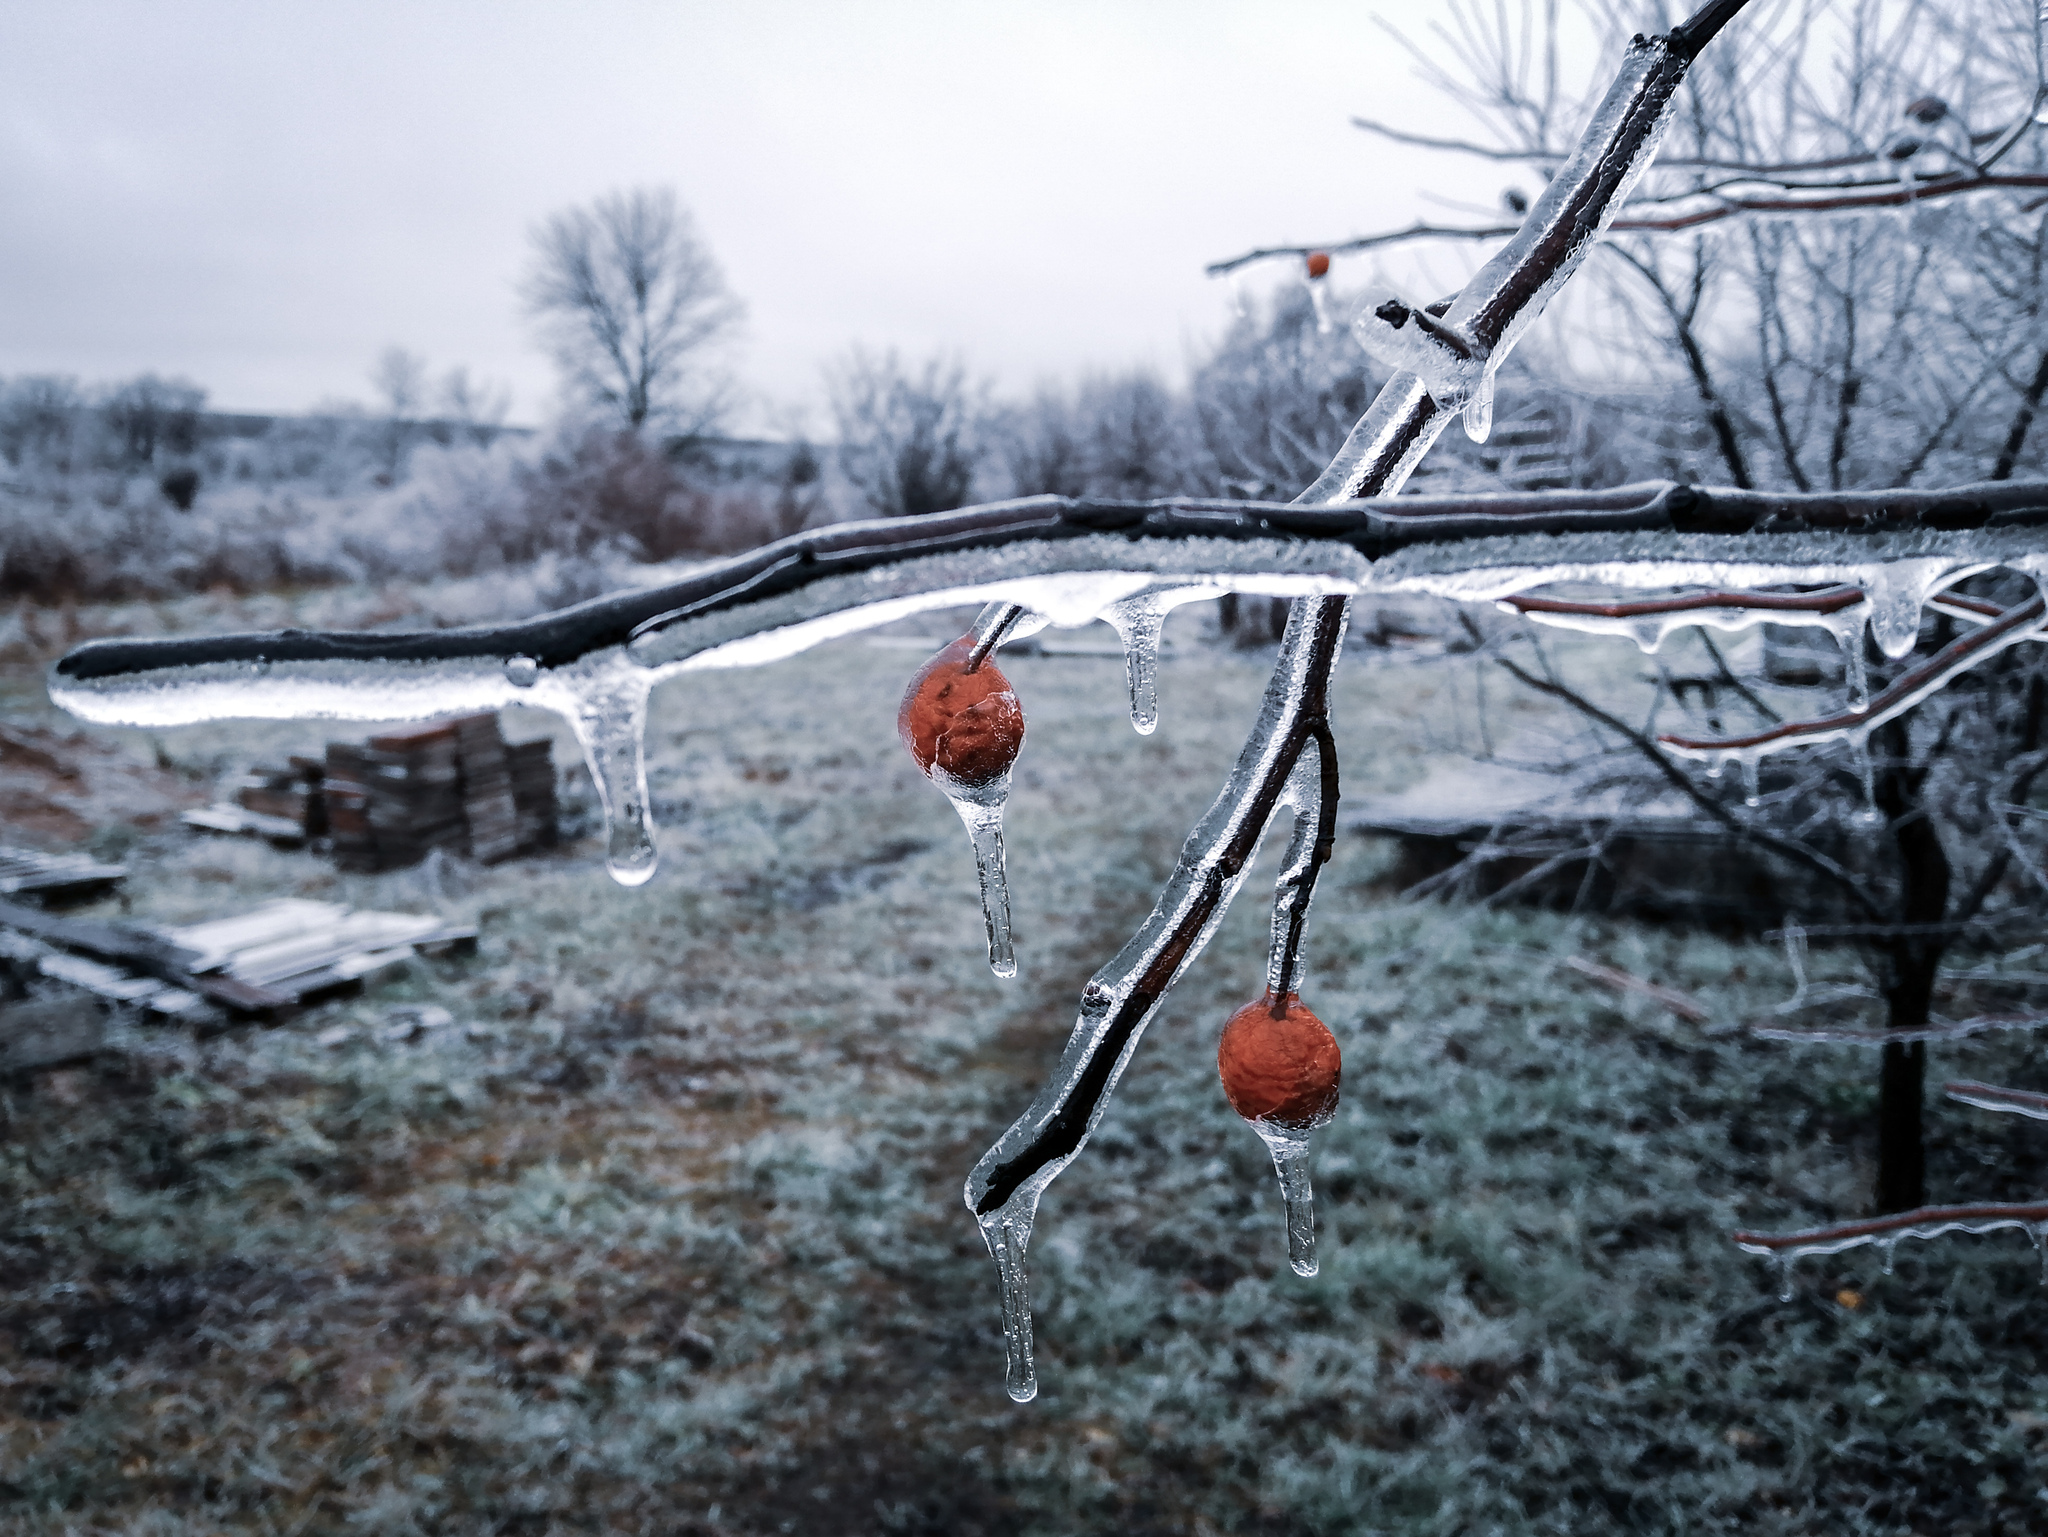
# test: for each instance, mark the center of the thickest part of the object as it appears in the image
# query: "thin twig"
(1812, 858)
(1685, 1007)
(1932, 1035)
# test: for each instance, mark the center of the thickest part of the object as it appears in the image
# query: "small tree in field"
(909, 438)
(634, 306)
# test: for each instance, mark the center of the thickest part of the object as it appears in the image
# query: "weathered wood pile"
(452, 784)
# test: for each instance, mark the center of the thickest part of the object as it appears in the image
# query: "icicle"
(1138, 622)
(1795, 957)
(1478, 415)
(2037, 1234)
(1319, 297)
(1783, 1263)
(1239, 305)
(982, 811)
(611, 723)
(1888, 1251)
(1866, 774)
(1289, 1148)
(521, 671)
(1752, 775)
(1007, 1233)
(1854, 673)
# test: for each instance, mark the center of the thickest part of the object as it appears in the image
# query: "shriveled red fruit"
(967, 723)
(1283, 1069)
(1318, 264)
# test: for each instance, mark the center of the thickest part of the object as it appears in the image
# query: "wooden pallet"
(54, 877)
(255, 964)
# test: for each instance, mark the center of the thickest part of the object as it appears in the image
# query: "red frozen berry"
(1282, 1069)
(968, 724)
(1318, 264)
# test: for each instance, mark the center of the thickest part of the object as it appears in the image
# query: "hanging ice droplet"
(1289, 1148)
(1138, 623)
(1648, 635)
(1008, 1234)
(984, 821)
(611, 723)
(1895, 594)
(963, 724)
(521, 671)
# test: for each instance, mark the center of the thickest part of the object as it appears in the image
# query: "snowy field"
(664, 1233)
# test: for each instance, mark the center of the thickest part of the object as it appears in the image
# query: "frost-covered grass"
(664, 1234)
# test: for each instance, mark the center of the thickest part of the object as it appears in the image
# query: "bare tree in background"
(473, 407)
(1119, 435)
(400, 379)
(632, 304)
(909, 438)
(149, 415)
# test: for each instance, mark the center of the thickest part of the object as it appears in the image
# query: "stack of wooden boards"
(452, 784)
(261, 963)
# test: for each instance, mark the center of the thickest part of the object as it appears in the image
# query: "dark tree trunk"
(1914, 957)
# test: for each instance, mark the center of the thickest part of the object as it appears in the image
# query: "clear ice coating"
(610, 720)
(1929, 1222)
(1451, 363)
(1008, 1234)
(1138, 623)
(1289, 1147)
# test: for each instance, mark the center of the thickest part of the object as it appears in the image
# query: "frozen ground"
(663, 1234)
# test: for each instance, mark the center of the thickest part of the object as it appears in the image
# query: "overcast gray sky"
(263, 196)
